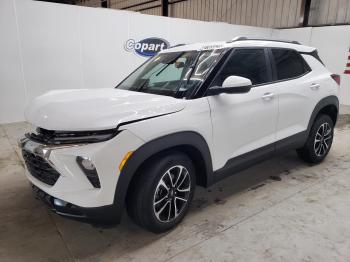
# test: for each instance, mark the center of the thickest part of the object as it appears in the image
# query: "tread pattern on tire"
(307, 153)
(142, 186)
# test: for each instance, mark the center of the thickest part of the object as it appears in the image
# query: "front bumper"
(72, 187)
(104, 215)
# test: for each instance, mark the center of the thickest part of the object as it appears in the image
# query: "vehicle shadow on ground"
(128, 238)
(220, 206)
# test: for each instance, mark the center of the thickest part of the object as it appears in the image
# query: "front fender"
(186, 138)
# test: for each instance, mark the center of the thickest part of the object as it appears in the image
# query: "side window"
(289, 64)
(248, 63)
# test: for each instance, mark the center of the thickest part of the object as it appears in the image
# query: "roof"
(241, 42)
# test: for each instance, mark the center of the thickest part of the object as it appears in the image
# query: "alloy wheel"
(172, 193)
(322, 139)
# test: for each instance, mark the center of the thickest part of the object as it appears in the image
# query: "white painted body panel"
(231, 124)
(194, 117)
(297, 99)
(73, 186)
(242, 123)
(96, 109)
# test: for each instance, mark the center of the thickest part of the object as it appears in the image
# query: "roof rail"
(176, 45)
(243, 38)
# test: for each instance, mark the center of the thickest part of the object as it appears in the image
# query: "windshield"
(173, 74)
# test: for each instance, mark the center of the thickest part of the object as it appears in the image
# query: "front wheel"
(162, 192)
(319, 141)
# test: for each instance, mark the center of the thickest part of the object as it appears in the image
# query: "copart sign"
(146, 47)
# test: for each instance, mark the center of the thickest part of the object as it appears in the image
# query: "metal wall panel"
(90, 3)
(143, 6)
(266, 13)
(329, 12)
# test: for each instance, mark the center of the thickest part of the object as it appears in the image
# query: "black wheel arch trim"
(149, 149)
(327, 101)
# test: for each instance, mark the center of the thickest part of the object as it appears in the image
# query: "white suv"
(191, 115)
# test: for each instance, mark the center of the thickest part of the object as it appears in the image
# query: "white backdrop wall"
(333, 44)
(45, 46)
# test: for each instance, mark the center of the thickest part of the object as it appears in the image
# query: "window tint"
(249, 63)
(289, 64)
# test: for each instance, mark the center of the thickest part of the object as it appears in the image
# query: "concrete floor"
(249, 217)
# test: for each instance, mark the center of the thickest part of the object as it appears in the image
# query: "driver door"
(243, 123)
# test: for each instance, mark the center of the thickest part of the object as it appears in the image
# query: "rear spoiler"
(314, 54)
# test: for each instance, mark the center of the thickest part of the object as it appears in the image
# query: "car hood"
(96, 109)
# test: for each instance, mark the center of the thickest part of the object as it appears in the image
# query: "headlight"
(50, 137)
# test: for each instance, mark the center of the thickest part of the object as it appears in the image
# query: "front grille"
(40, 168)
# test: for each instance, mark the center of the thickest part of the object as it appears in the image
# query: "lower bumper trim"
(95, 215)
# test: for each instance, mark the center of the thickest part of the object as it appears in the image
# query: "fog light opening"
(88, 167)
(59, 202)
(87, 163)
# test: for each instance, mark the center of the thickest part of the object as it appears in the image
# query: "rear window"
(289, 64)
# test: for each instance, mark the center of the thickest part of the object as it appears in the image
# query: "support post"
(104, 3)
(165, 7)
(304, 13)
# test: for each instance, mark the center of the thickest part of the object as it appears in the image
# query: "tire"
(319, 141)
(150, 204)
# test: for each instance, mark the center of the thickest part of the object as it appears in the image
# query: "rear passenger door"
(296, 91)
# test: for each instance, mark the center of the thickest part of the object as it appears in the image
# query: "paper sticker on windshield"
(211, 47)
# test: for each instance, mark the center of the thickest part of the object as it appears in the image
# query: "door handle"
(268, 96)
(314, 86)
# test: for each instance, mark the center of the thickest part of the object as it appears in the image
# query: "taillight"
(336, 78)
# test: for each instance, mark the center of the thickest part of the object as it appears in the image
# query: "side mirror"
(232, 85)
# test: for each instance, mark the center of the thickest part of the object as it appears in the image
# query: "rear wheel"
(319, 141)
(162, 192)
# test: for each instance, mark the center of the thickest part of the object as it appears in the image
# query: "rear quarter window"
(289, 64)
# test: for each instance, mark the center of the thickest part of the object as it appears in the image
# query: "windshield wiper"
(160, 71)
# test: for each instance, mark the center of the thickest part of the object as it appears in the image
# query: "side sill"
(294, 142)
(244, 161)
(256, 156)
